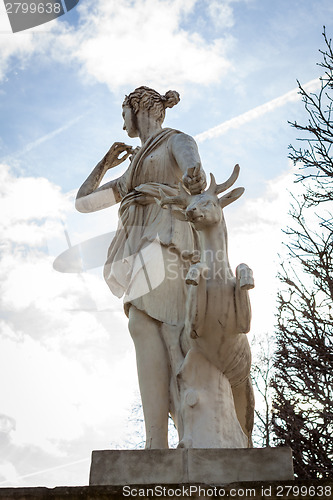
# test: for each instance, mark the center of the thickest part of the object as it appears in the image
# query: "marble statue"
(188, 313)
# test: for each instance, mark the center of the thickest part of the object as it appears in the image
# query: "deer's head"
(204, 209)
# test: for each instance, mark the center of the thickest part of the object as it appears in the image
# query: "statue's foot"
(245, 276)
(185, 443)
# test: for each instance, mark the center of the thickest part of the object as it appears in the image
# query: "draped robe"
(148, 258)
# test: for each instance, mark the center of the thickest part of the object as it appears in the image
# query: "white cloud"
(16, 48)
(128, 42)
(26, 198)
(70, 373)
(7, 472)
(54, 396)
(19, 45)
(221, 14)
(31, 208)
(125, 43)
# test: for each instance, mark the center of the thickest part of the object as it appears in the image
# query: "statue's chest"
(159, 166)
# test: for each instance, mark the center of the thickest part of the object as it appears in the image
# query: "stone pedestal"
(292, 490)
(190, 466)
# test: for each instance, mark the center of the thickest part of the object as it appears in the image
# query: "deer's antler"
(219, 188)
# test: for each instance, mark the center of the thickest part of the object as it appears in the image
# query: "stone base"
(190, 466)
(301, 490)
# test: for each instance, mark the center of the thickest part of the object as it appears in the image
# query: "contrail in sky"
(52, 134)
(45, 470)
(236, 122)
(44, 138)
(252, 114)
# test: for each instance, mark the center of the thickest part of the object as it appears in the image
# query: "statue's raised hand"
(194, 180)
(118, 153)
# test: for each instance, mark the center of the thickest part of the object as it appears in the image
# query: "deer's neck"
(214, 244)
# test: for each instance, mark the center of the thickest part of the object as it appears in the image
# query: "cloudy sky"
(67, 367)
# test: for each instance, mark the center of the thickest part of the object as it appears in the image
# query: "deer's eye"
(208, 203)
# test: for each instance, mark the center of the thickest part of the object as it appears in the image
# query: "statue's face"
(129, 122)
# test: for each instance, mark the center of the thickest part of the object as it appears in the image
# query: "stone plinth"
(301, 490)
(190, 466)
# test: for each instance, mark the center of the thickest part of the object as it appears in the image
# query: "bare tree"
(262, 373)
(315, 160)
(303, 379)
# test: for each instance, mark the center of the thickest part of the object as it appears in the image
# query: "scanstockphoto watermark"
(188, 491)
(30, 13)
(137, 267)
(262, 491)
(206, 264)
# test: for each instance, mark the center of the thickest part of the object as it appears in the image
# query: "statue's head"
(145, 98)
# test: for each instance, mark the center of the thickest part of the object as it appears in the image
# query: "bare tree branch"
(303, 362)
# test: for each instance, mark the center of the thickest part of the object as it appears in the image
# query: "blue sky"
(67, 365)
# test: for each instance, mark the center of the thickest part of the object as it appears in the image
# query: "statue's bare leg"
(244, 406)
(153, 373)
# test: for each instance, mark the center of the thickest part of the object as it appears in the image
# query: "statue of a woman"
(165, 158)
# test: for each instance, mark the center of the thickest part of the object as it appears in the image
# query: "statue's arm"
(185, 151)
(90, 196)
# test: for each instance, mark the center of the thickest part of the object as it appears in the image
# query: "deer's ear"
(230, 197)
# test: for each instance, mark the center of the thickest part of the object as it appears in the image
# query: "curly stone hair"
(148, 99)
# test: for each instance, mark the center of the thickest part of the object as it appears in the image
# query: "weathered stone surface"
(188, 466)
(115, 467)
(302, 490)
(226, 466)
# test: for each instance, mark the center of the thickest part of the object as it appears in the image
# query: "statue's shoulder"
(179, 138)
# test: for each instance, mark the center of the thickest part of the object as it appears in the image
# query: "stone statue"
(188, 314)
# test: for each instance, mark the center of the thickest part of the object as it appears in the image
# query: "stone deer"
(214, 382)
